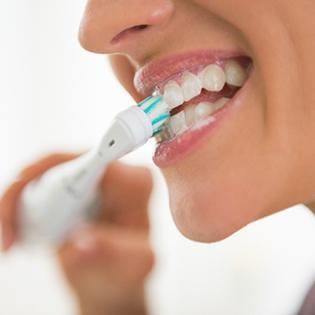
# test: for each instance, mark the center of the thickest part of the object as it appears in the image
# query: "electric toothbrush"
(67, 195)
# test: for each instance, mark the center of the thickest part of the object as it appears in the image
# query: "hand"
(107, 262)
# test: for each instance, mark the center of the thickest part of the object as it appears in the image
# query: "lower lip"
(173, 151)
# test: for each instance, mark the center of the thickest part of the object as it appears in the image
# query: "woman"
(254, 157)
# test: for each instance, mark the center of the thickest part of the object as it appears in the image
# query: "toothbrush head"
(139, 123)
(156, 110)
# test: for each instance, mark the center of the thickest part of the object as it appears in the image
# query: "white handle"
(51, 207)
(66, 195)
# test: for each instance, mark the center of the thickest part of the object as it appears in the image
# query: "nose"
(124, 26)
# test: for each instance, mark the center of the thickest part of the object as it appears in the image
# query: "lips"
(200, 88)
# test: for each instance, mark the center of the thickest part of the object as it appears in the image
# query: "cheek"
(234, 178)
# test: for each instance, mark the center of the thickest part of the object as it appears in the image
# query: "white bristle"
(160, 109)
(156, 110)
(74, 185)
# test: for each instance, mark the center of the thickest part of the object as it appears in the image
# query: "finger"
(8, 202)
(126, 192)
(115, 255)
(7, 214)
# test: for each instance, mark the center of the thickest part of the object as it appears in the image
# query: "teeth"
(213, 78)
(190, 115)
(178, 123)
(173, 94)
(191, 86)
(204, 109)
(220, 103)
(235, 73)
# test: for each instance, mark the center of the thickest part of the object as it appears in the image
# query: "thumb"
(126, 193)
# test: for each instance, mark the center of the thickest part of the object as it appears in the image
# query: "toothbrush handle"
(63, 198)
(66, 195)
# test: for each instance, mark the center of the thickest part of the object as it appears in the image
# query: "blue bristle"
(156, 131)
(160, 118)
(149, 106)
(153, 105)
(145, 101)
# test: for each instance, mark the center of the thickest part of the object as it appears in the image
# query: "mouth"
(200, 89)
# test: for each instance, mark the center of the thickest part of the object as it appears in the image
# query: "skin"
(261, 160)
(266, 144)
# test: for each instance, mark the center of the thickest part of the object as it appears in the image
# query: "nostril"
(139, 27)
(129, 31)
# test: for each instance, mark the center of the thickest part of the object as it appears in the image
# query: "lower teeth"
(188, 118)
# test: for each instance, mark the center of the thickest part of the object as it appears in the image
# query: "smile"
(199, 88)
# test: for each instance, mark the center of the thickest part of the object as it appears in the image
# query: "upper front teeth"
(191, 86)
(212, 78)
(173, 94)
(235, 74)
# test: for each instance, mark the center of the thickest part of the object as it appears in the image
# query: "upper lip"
(156, 74)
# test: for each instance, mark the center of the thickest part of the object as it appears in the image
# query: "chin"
(206, 221)
(209, 208)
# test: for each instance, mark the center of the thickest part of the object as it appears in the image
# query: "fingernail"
(84, 241)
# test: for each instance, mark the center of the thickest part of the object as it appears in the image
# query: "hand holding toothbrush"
(106, 263)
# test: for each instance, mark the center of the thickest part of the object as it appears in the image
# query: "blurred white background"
(55, 96)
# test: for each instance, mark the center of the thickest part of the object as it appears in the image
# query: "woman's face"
(257, 155)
